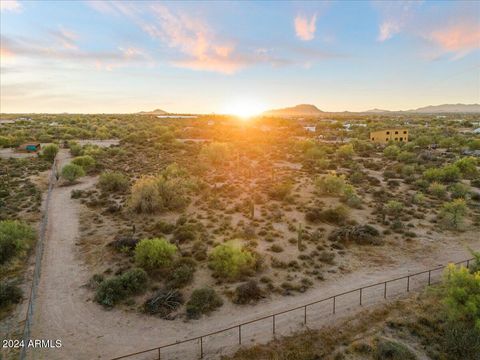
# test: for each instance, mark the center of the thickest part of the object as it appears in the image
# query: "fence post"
(361, 296)
(385, 291)
(334, 304)
(201, 347)
(159, 354)
(468, 264)
(429, 277)
(273, 325)
(408, 283)
(239, 334)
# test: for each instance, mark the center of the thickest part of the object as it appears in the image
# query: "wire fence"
(38, 262)
(285, 322)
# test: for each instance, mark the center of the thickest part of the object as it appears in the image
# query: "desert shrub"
(145, 195)
(15, 237)
(118, 288)
(86, 162)
(346, 151)
(360, 234)
(113, 181)
(418, 198)
(350, 197)
(72, 172)
(406, 157)
(446, 174)
(9, 294)
(231, 262)
(185, 233)
(281, 190)
(392, 350)
(452, 214)
(163, 302)
(459, 190)
(467, 166)
(156, 253)
(394, 207)
(336, 215)
(216, 153)
(166, 191)
(182, 273)
(391, 151)
(50, 151)
(124, 242)
(202, 301)
(248, 292)
(438, 190)
(331, 184)
(75, 148)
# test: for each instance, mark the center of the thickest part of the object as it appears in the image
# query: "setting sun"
(244, 108)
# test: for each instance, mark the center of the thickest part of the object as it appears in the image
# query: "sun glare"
(244, 108)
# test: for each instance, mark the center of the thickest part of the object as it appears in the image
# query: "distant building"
(310, 128)
(476, 131)
(384, 136)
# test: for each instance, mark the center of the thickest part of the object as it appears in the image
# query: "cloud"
(395, 15)
(10, 5)
(304, 27)
(67, 38)
(453, 29)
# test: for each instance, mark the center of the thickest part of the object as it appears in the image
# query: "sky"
(221, 56)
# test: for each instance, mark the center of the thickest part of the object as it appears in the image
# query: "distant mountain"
(448, 108)
(377, 111)
(154, 112)
(298, 110)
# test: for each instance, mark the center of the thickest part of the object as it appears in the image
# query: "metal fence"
(38, 261)
(216, 342)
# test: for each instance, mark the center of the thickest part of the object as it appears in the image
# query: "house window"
(373, 138)
(386, 139)
(401, 139)
(396, 139)
(388, 132)
(396, 132)
(404, 132)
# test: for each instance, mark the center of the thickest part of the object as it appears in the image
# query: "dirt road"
(64, 309)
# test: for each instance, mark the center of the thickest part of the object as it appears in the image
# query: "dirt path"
(64, 309)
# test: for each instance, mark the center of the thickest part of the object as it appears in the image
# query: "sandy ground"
(12, 153)
(100, 143)
(64, 308)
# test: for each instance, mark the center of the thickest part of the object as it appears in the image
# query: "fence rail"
(388, 289)
(38, 261)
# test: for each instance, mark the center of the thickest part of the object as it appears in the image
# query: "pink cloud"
(450, 29)
(458, 37)
(304, 27)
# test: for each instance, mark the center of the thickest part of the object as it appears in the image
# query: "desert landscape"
(291, 231)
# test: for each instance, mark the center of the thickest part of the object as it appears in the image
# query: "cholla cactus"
(299, 237)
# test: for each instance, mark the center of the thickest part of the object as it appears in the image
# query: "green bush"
(118, 288)
(9, 294)
(446, 174)
(231, 262)
(336, 215)
(50, 151)
(182, 273)
(345, 151)
(86, 162)
(113, 181)
(166, 191)
(467, 166)
(350, 197)
(391, 151)
(203, 301)
(280, 191)
(72, 172)
(459, 190)
(438, 190)
(331, 184)
(394, 208)
(155, 253)
(216, 153)
(15, 236)
(392, 350)
(452, 214)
